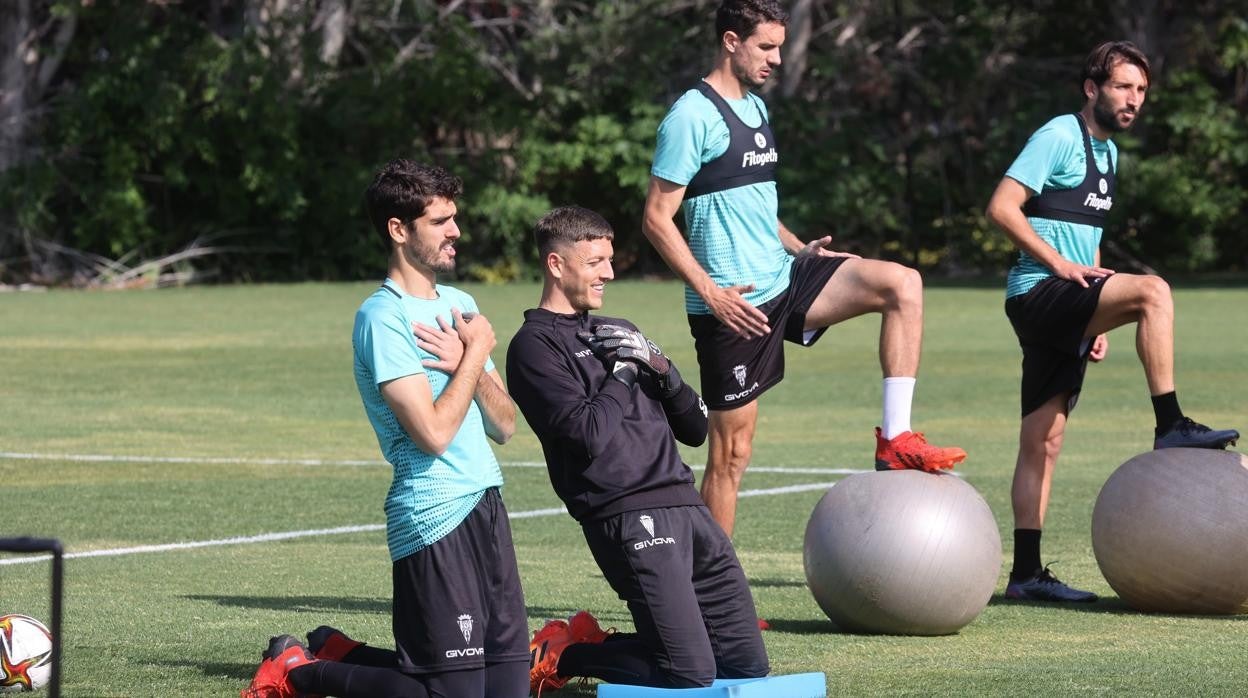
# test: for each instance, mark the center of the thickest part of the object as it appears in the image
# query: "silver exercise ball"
(902, 553)
(1170, 531)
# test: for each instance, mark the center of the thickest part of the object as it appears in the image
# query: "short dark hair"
(403, 189)
(742, 17)
(569, 224)
(1101, 61)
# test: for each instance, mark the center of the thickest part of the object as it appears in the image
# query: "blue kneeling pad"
(811, 685)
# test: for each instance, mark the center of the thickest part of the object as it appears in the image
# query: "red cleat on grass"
(285, 652)
(584, 628)
(910, 451)
(550, 642)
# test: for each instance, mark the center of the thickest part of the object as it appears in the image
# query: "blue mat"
(811, 685)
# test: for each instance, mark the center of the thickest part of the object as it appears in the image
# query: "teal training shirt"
(1054, 158)
(430, 495)
(733, 234)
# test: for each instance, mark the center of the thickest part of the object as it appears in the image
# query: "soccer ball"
(25, 653)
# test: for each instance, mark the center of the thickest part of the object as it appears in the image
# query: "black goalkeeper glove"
(614, 343)
(624, 372)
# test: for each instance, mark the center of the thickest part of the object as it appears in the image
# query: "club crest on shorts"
(647, 523)
(738, 372)
(465, 626)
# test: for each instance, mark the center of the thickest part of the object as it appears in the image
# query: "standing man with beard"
(751, 284)
(430, 390)
(1052, 204)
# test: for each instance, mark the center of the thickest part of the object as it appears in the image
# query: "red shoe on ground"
(285, 652)
(584, 627)
(909, 450)
(548, 643)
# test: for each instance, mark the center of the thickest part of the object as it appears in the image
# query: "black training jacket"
(609, 449)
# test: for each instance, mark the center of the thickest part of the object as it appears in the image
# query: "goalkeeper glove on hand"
(625, 372)
(613, 342)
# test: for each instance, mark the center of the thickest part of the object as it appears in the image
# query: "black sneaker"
(1188, 434)
(278, 644)
(1043, 586)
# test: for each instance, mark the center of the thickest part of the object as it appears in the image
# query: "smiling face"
(757, 56)
(430, 239)
(1117, 102)
(580, 272)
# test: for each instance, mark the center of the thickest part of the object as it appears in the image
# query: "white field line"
(787, 490)
(208, 460)
(312, 533)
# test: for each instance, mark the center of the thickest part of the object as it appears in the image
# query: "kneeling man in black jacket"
(608, 407)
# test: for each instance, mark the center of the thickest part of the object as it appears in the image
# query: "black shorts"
(736, 371)
(1051, 321)
(676, 570)
(458, 603)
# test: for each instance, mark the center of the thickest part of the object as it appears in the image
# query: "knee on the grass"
(699, 674)
(745, 668)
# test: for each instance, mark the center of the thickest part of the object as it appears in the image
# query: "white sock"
(898, 396)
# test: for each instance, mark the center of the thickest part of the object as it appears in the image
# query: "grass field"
(203, 415)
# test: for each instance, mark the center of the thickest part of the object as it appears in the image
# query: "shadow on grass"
(316, 604)
(618, 615)
(801, 627)
(222, 670)
(827, 627)
(1109, 605)
(777, 583)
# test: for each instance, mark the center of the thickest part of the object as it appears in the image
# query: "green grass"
(239, 374)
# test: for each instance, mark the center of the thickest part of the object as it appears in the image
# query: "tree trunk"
(14, 77)
(333, 21)
(27, 68)
(798, 40)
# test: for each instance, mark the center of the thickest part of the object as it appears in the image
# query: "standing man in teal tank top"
(1052, 203)
(751, 284)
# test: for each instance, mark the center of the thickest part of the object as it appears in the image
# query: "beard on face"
(745, 77)
(428, 256)
(1106, 117)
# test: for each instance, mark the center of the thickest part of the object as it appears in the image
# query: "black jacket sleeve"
(686, 414)
(555, 401)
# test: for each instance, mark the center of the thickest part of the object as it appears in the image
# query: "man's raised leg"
(1146, 301)
(730, 444)
(862, 286)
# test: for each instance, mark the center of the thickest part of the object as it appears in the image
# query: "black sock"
(1026, 554)
(354, 681)
(1166, 409)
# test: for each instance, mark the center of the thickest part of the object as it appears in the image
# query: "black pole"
(47, 545)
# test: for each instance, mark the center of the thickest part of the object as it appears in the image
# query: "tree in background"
(154, 142)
